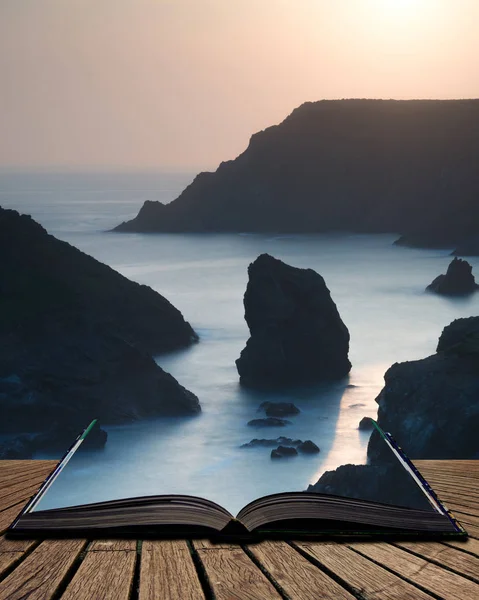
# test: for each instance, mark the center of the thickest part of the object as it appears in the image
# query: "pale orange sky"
(182, 84)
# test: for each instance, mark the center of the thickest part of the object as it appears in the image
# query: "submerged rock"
(458, 280)
(283, 452)
(297, 335)
(308, 447)
(281, 441)
(269, 422)
(279, 409)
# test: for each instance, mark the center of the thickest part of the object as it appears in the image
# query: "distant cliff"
(357, 165)
(76, 337)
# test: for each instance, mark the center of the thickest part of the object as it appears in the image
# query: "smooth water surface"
(379, 291)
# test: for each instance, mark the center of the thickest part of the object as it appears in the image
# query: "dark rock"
(283, 451)
(56, 439)
(297, 335)
(469, 247)
(269, 422)
(308, 447)
(279, 409)
(76, 338)
(366, 424)
(282, 441)
(458, 280)
(59, 438)
(460, 337)
(407, 166)
(431, 406)
(377, 483)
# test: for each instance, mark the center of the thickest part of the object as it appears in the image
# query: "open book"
(297, 513)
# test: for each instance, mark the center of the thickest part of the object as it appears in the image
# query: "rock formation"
(269, 422)
(431, 407)
(283, 452)
(366, 424)
(265, 443)
(308, 447)
(376, 483)
(279, 409)
(458, 280)
(297, 335)
(407, 166)
(76, 338)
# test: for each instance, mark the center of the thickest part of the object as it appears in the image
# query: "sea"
(379, 290)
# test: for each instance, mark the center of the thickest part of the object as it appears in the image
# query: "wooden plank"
(295, 575)
(472, 530)
(22, 495)
(17, 465)
(167, 571)
(12, 551)
(232, 574)
(469, 545)
(30, 484)
(458, 464)
(458, 500)
(463, 564)
(106, 572)
(466, 518)
(366, 578)
(41, 573)
(9, 477)
(7, 516)
(433, 578)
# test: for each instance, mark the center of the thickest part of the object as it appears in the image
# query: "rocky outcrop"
(458, 280)
(308, 447)
(297, 335)
(283, 452)
(376, 483)
(407, 166)
(366, 424)
(279, 409)
(269, 422)
(57, 438)
(76, 338)
(265, 443)
(431, 406)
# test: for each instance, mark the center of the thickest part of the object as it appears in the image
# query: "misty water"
(379, 291)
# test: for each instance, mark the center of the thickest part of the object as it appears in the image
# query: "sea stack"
(297, 335)
(458, 280)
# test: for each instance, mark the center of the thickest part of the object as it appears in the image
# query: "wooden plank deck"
(199, 570)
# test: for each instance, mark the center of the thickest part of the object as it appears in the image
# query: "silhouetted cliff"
(358, 165)
(76, 337)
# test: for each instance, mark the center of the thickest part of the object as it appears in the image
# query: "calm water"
(379, 291)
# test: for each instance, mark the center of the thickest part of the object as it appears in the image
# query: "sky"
(181, 85)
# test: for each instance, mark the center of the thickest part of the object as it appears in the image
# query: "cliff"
(358, 165)
(76, 337)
